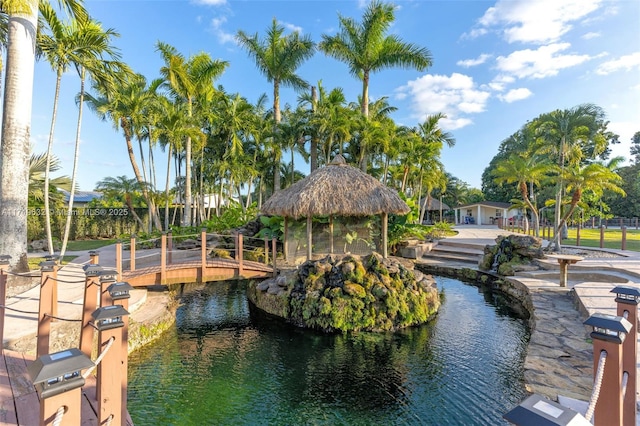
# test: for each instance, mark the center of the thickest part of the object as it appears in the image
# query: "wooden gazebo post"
(309, 237)
(385, 225)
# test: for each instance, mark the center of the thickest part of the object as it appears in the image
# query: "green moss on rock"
(351, 293)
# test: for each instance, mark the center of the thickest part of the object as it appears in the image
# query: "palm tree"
(594, 178)
(126, 105)
(330, 120)
(277, 58)
(62, 46)
(524, 170)
(38, 164)
(186, 79)
(567, 133)
(101, 61)
(124, 189)
(16, 125)
(365, 47)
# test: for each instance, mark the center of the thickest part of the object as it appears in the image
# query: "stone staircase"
(450, 251)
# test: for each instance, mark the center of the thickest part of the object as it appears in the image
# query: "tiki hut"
(337, 189)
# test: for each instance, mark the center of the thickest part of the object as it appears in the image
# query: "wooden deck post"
(94, 257)
(90, 304)
(169, 247)
(266, 251)
(109, 381)
(624, 238)
(627, 307)
(44, 311)
(132, 250)
(240, 255)
(70, 400)
(4, 266)
(203, 253)
(602, 236)
(163, 258)
(578, 235)
(124, 355)
(119, 259)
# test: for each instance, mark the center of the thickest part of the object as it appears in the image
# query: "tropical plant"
(366, 48)
(124, 189)
(526, 170)
(188, 78)
(278, 57)
(569, 134)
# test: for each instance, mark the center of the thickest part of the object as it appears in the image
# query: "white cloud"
(546, 61)
(473, 62)
(626, 62)
(291, 27)
(222, 36)
(539, 21)
(515, 95)
(590, 35)
(456, 95)
(211, 2)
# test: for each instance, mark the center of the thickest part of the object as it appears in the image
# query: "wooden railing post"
(47, 277)
(94, 257)
(132, 250)
(90, 304)
(240, 255)
(624, 238)
(119, 259)
(266, 251)
(203, 253)
(602, 236)
(169, 247)
(163, 258)
(4, 266)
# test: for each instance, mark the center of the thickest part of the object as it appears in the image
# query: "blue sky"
(496, 65)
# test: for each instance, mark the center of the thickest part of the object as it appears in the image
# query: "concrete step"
(444, 256)
(446, 248)
(465, 244)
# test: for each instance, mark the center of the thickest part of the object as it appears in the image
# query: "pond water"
(224, 365)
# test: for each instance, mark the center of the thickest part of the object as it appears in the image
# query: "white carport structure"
(484, 213)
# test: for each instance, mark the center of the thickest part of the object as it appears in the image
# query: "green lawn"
(612, 238)
(84, 245)
(34, 262)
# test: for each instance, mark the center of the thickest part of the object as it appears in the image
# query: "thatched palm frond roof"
(337, 189)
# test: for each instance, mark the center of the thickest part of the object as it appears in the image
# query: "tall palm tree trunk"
(186, 218)
(47, 170)
(166, 190)
(74, 172)
(16, 127)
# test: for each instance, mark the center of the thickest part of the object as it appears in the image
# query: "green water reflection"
(223, 365)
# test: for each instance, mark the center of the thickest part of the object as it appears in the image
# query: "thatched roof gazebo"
(337, 189)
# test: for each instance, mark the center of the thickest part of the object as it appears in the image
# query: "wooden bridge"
(165, 265)
(68, 397)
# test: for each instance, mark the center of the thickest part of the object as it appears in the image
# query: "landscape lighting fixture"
(108, 317)
(539, 411)
(59, 372)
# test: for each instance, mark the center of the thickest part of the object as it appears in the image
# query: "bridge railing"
(203, 247)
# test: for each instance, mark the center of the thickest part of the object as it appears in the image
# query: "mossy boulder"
(511, 254)
(350, 293)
